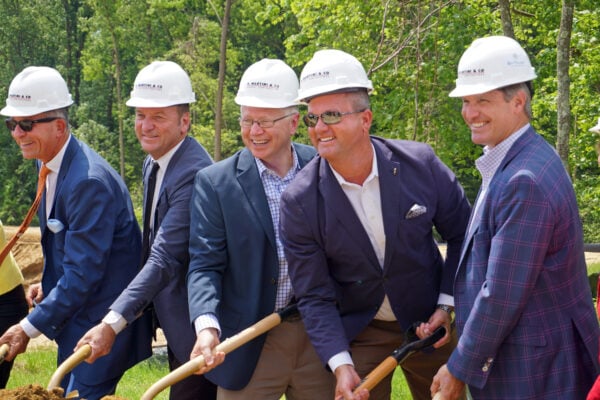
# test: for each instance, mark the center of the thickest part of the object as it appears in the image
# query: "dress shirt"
(273, 186)
(487, 165)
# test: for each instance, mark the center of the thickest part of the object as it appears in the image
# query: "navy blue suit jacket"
(89, 261)
(335, 273)
(234, 267)
(162, 279)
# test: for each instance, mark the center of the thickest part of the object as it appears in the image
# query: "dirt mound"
(36, 392)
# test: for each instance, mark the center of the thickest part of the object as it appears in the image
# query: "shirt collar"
(374, 171)
(163, 161)
(262, 168)
(54, 164)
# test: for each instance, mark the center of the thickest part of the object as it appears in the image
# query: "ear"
(294, 121)
(62, 127)
(519, 100)
(185, 122)
(367, 119)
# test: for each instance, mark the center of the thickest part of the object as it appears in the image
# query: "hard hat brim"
(147, 103)
(11, 111)
(251, 101)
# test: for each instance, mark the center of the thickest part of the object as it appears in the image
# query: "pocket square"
(415, 211)
(55, 225)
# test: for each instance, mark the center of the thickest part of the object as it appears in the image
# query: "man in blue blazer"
(161, 96)
(357, 226)
(524, 312)
(238, 273)
(90, 238)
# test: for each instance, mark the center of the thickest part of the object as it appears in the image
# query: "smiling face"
(271, 145)
(160, 129)
(337, 143)
(492, 118)
(45, 139)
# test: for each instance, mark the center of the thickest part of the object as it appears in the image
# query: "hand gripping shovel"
(227, 346)
(412, 344)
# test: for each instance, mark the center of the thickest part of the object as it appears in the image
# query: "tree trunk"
(563, 49)
(221, 79)
(507, 26)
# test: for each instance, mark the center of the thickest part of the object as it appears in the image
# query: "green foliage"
(410, 49)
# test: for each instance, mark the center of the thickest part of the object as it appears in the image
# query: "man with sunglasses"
(238, 273)
(357, 227)
(90, 237)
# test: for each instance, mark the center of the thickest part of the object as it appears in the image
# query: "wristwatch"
(447, 308)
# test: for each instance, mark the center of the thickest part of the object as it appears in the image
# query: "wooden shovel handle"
(67, 366)
(226, 347)
(3, 351)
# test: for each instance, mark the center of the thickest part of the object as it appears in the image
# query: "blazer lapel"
(252, 185)
(340, 207)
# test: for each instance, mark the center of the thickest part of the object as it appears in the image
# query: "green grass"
(38, 365)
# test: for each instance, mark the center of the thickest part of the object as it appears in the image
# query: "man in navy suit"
(238, 273)
(357, 227)
(524, 311)
(161, 96)
(90, 238)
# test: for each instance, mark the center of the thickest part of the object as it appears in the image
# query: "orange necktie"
(44, 171)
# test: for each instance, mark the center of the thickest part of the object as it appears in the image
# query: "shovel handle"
(437, 396)
(227, 346)
(74, 360)
(3, 351)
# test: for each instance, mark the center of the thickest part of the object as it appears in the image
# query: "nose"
(469, 111)
(255, 129)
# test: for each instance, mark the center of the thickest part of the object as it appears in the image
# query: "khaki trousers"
(288, 364)
(378, 341)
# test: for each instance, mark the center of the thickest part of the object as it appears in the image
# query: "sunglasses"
(26, 124)
(328, 117)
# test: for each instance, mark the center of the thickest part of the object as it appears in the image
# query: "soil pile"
(36, 392)
(31, 392)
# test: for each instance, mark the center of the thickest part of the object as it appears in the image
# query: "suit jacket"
(334, 271)
(89, 261)
(234, 267)
(162, 279)
(524, 312)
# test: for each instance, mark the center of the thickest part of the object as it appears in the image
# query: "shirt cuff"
(116, 321)
(29, 329)
(208, 320)
(339, 359)
(446, 299)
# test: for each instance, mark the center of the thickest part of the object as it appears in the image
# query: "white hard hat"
(596, 128)
(492, 63)
(332, 71)
(268, 83)
(36, 90)
(161, 84)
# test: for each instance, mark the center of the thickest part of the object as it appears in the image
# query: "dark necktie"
(44, 171)
(150, 186)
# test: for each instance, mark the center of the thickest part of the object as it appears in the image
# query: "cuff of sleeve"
(446, 299)
(29, 329)
(116, 321)
(340, 359)
(205, 321)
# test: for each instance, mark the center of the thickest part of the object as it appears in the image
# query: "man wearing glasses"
(357, 228)
(90, 237)
(238, 272)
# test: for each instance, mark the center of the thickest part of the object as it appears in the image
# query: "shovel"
(412, 345)
(3, 351)
(227, 346)
(67, 366)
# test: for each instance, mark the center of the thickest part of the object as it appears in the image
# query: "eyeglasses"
(26, 124)
(265, 123)
(328, 117)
